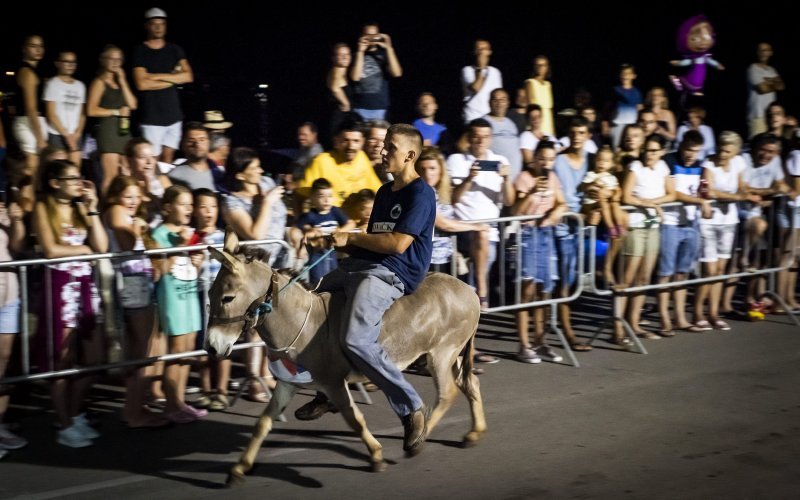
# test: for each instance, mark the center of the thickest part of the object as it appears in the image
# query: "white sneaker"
(546, 352)
(86, 430)
(73, 437)
(528, 355)
(9, 440)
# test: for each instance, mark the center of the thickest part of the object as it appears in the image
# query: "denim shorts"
(537, 248)
(567, 246)
(679, 249)
(9, 318)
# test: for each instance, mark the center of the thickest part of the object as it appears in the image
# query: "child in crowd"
(206, 213)
(178, 305)
(603, 193)
(321, 220)
(124, 218)
(538, 193)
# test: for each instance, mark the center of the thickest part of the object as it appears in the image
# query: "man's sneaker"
(315, 408)
(73, 437)
(546, 352)
(83, 426)
(415, 426)
(528, 355)
(9, 440)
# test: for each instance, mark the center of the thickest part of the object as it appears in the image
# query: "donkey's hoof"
(234, 479)
(471, 439)
(379, 466)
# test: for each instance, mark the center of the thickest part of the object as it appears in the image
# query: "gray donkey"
(302, 327)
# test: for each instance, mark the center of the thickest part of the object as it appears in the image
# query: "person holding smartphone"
(375, 59)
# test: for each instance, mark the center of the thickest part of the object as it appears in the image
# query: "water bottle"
(124, 125)
(703, 191)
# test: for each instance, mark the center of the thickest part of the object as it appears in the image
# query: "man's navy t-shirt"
(412, 211)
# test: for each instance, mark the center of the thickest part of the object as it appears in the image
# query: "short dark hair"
(410, 132)
(762, 140)
(311, 126)
(191, 126)
(479, 123)
(320, 184)
(691, 139)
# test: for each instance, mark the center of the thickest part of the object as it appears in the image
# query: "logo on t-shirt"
(382, 227)
(396, 211)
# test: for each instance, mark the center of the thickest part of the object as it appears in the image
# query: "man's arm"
(385, 243)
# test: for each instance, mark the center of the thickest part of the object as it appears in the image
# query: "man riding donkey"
(389, 260)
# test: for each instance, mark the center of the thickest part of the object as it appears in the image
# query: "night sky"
(233, 48)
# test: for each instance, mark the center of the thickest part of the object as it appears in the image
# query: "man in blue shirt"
(388, 261)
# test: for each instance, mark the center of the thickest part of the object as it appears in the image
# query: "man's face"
(689, 154)
(33, 50)
(156, 28)
(349, 143)
(776, 117)
(498, 103)
(480, 139)
(305, 137)
(483, 48)
(578, 136)
(766, 153)
(427, 107)
(195, 144)
(764, 52)
(394, 154)
(535, 119)
(375, 143)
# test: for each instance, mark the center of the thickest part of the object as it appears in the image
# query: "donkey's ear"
(227, 260)
(231, 240)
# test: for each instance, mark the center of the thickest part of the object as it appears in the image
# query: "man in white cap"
(158, 68)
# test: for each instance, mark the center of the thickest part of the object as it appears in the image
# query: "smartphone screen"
(487, 165)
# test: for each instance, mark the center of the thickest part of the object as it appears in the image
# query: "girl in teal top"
(178, 303)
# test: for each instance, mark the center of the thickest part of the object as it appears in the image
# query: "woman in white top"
(647, 185)
(723, 174)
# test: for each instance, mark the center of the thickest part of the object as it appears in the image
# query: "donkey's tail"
(467, 363)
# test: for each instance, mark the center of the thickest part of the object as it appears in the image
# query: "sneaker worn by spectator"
(83, 426)
(9, 440)
(415, 426)
(73, 437)
(528, 355)
(547, 352)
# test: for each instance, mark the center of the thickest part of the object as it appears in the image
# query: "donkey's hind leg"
(281, 396)
(470, 385)
(444, 372)
(343, 400)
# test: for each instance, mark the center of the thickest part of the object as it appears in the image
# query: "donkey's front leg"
(281, 396)
(341, 397)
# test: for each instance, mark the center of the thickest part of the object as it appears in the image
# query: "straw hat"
(215, 121)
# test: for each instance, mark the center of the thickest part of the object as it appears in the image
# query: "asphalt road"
(704, 415)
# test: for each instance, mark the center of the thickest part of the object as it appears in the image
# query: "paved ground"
(713, 415)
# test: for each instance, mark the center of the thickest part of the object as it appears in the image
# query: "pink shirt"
(543, 200)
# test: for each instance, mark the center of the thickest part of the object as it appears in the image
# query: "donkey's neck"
(294, 319)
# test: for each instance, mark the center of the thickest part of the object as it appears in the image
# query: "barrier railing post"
(25, 346)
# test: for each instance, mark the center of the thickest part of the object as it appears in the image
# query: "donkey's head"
(234, 299)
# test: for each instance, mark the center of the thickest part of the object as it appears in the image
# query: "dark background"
(232, 48)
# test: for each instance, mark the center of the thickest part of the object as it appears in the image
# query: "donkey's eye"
(227, 299)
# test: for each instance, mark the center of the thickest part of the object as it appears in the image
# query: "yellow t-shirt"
(345, 178)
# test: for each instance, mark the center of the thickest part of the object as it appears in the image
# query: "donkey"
(439, 320)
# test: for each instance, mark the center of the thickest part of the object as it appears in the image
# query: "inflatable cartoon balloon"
(695, 39)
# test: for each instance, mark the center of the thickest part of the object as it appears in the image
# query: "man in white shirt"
(482, 186)
(478, 81)
(762, 83)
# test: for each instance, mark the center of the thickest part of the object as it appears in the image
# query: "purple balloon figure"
(695, 38)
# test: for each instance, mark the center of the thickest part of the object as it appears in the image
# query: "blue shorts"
(9, 318)
(679, 249)
(567, 246)
(537, 248)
